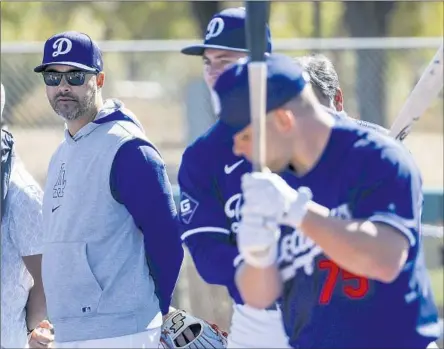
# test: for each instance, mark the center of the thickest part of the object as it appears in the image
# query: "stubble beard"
(83, 108)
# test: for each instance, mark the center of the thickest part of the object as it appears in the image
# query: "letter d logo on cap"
(61, 46)
(215, 27)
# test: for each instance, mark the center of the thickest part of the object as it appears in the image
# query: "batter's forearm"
(259, 287)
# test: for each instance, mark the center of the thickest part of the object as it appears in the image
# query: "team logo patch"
(59, 186)
(187, 207)
(61, 46)
(215, 28)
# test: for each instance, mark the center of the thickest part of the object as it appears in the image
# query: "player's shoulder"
(371, 126)
(24, 189)
(365, 136)
(209, 146)
(218, 135)
(21, 177)
(137, 154)
(373, 149)
(344, 117)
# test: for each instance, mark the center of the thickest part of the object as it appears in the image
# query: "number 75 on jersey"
(353, 287)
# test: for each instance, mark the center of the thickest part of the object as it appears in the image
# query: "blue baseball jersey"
(361, 175)
(209, 210)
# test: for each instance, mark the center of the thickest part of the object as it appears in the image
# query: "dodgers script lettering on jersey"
(210, 203)
(224, 187)
(361, 175)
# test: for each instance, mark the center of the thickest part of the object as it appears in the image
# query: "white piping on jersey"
(238, 260)
(398, 223)
(430, 329)
(204, 230)
(409, 223)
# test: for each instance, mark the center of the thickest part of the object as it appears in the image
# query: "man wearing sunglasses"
(108, 211)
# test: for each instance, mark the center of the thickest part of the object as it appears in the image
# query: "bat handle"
(257, 76)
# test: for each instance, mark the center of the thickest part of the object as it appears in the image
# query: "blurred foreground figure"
(23, 305)
(209, 179)
(337, 233)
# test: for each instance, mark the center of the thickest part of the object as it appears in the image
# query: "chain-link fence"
(165, 90)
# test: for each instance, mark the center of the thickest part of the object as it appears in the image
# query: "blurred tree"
(295, 19)
(132, 20)
(13, 17)
(370, 19)
(424, 19)
(121, 20)
(203, 11)
(124, 20)
(140, 20)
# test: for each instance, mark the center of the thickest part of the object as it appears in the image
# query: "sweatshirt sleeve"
(139, 181)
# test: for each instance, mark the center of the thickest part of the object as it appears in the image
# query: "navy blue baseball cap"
(285, 80)
(226, 31)
(74, 49)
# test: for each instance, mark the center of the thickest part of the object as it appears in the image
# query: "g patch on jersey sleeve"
(187, 207)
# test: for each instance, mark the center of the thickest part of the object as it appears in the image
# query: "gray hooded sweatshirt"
(96, 278)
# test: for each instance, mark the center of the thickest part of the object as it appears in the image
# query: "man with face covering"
(209, 179)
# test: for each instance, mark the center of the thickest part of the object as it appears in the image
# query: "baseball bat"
(256, 21)
(422, 95)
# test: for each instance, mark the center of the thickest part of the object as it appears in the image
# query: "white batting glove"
(257, 240)
(267, 195)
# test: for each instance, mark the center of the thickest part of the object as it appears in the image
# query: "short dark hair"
(323, 76)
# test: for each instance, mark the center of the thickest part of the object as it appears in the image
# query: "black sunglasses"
(73, 77)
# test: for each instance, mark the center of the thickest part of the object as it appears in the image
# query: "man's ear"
(100, 79)
(339, 100)
(283, 119)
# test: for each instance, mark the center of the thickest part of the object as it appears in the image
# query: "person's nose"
(64, 87)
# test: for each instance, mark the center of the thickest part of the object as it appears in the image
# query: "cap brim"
(198, 50)
(42, 67)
